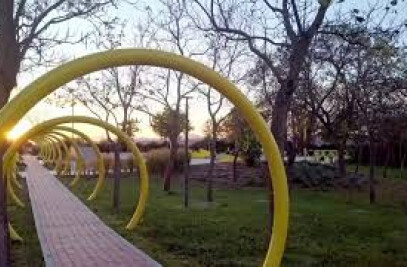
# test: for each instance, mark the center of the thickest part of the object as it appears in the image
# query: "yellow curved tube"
(13, 234)
(12, 171)
(100, 161)
(80, 163)
(8, 157)
(68, 156)
(9, 165)
(101, 164)
(42, 149)
(58, 143)
(14, 110)
(48, 151)
(7, 170)
(52, 151)
(144, 182)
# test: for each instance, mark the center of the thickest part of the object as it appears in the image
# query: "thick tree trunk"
(9, 58)
(279, 118)
(9, 65)
(4, 233)
(169, 169)
(209, 176)
(372, 162)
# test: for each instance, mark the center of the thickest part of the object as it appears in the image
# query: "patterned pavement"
(70, 233)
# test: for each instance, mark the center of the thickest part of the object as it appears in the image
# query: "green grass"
(29, 252)
(392, 172)
(325, 228)
(200, 154)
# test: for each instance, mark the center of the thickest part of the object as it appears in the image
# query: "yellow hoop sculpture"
(58, 144)
(55, 151)
(79, 161)
(95, 148)
(40, 88)
(50, 151)
(100, 161)
(9, 167)
(144, 182)
(10, 160)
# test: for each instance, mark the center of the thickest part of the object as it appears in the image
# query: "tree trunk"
(4, 233)
(186, 160)
(402, 160)
(209, 178)
(279, 119)
(387, 161)
(341, 159)
(235, 157)
(116, 178)
(359, 158)
(270, 196)
(288, 87)
(169, 169)
(9, 51)
(372, 162)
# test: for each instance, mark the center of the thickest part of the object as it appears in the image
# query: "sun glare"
(18, 130)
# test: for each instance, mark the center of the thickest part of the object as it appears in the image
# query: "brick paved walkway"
(70, 234)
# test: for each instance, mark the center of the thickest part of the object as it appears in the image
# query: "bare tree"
(26, 33)
(175, 34)
(26, 36)
(224, 56)
(381, 89)
(267, 28)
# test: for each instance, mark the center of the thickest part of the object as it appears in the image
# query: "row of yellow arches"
(11, 113)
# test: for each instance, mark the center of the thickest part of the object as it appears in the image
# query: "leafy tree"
(169, 124)
(235, 129)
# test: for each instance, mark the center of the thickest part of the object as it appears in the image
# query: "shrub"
(157, 160)
(314, 175)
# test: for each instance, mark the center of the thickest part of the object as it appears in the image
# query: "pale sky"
(44, 111)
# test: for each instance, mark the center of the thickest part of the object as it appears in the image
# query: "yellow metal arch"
(95, 148)
(100, 161)
(58, 143)
(9, 165)
(144, 183)
(39, 140)
(49, 151)
(54, 149)
(80, 161)
(40, 88)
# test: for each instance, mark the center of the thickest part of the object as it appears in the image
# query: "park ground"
(330, 228)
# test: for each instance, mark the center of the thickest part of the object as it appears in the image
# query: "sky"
(44, 110)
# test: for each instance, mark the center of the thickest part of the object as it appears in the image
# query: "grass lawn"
(392, 172)
(325, 228)
(200, 154)
(29, 252)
